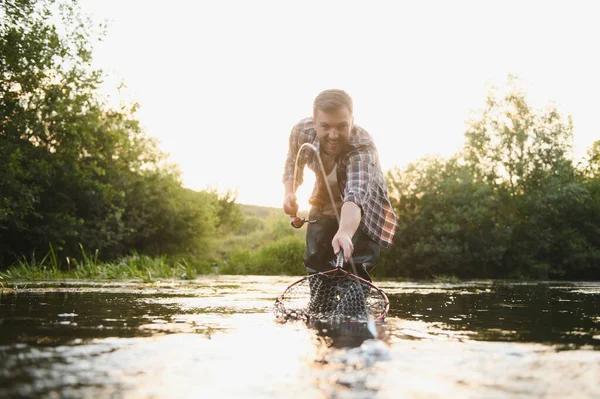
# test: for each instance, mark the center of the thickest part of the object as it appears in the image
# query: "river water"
(217, 337)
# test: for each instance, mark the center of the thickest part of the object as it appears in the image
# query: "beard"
(332, 148)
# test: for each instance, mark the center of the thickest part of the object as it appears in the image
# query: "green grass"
(272, 248)
(142, 267)
(282, 257)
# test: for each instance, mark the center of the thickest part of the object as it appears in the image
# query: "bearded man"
(350, 160)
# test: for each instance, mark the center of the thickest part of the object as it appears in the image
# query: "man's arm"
(356, 195)
(349, 222)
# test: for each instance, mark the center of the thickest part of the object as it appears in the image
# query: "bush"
(282, 257)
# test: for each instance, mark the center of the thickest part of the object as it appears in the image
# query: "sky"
(221, 83)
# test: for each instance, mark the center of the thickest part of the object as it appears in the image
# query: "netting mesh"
(331, 295)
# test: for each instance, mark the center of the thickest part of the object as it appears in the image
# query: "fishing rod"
(298, 222)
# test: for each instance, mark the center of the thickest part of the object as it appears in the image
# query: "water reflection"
(218, 338)
(54, 318)
(345, 333)
(563, 314)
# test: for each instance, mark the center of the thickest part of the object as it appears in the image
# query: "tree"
(592, 168)
(74, 171)
(447, 222)
(511, 204)
(229, 214)
(513, 145)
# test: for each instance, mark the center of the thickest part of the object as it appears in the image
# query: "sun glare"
(221, 91)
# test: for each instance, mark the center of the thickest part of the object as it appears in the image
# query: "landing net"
(334, 294)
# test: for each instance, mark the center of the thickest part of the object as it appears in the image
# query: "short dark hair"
(331, 100)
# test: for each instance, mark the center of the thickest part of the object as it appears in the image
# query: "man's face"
(333, 130)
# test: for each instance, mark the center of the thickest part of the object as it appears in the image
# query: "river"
(217, 337)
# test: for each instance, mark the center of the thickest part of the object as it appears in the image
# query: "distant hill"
(264, 211)
(260, 211)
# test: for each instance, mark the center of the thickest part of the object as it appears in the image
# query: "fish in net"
(334, 294)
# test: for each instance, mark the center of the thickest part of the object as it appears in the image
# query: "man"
(351, 164)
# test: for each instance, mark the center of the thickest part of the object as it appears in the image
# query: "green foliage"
(592, 168)
(282, 257)
(511, 204)
(272, 247)
(75, 172)
(229, 215)
(249, 225)
(447, 225)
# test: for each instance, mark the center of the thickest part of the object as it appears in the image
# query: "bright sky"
(221, 83)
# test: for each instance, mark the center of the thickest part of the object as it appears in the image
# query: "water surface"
(217, 337)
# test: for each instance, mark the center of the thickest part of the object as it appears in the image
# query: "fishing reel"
(298, 222)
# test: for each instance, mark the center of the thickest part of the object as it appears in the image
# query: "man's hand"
(349, 222)
(290, 206)
(344, 241)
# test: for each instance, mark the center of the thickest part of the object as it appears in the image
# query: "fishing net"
(332, 294)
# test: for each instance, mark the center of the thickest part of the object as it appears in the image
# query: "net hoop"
(281, 299)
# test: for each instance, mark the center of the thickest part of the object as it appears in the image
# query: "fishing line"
(337, 215)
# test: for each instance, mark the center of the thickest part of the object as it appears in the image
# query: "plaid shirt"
(359, 177)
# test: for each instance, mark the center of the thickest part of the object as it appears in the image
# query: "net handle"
(339, 263)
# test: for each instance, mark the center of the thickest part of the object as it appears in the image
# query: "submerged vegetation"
(81, 184)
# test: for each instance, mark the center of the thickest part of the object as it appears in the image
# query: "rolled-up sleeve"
(365, 186)
(360, 174)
